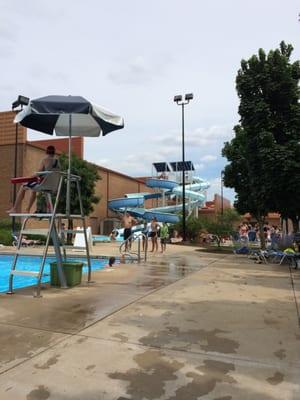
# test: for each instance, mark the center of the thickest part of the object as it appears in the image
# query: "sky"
(132, 57)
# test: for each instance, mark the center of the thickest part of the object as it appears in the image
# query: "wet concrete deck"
(185, 325)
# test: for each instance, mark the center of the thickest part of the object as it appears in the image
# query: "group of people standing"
(155, 231)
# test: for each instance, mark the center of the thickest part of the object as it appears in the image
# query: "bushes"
(5, 237)
(6, 232)
(220, 226)
(193, 227)
(6, 224)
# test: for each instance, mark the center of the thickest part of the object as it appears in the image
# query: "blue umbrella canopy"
(68, 116)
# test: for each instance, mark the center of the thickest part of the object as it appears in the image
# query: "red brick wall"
(8, 129)
(8, 132)
(7, 157)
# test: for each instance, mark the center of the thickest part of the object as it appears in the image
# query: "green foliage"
(264, 155)
(6, 232)
(223, 224)
(193, 226)
(7, 224)
(5, 236)
(230, 217)
(89, 176)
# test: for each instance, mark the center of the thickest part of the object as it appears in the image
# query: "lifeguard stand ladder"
(52, 183)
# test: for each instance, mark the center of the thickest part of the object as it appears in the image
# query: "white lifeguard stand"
(51, 185)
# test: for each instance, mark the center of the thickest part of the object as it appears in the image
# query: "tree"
(193, 227)
(223, 224)
(89, 176)
(264, 154)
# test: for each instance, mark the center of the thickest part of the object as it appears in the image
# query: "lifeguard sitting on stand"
(49, 163)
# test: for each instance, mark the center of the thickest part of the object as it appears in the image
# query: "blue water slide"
(125, 202)
(134, 202)
(153, 196)
(135, 195)
(161, 216)
(203, 183)
(192, 191)
(146, 195)
(192, 194)
(137, 212)
(161, 183)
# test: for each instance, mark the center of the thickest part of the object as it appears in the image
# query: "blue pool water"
(30, 263)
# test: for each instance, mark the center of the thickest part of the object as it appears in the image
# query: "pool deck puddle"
(183, 326)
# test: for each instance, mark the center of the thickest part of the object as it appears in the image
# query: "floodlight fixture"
(21, 101)
(178, 98)
(189, 96)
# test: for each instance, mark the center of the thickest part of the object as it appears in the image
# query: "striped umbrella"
(68, 116)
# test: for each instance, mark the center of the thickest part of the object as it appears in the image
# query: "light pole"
(21, 100)
(222, 197)
(180, 102)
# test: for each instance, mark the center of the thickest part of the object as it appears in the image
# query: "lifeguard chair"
(51, 185)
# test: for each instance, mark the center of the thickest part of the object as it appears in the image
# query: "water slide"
(134, 202)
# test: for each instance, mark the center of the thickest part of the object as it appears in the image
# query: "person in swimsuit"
(49, 163)
(128, 222)
(154, 226)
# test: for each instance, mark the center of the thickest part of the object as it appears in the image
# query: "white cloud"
(199, 166)
(139, 70)
(208, 158)
(132, 164)
(103, 162)
(210, 135)
(199, 137)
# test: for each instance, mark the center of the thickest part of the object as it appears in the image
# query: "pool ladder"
(135, 255)
(54, 220)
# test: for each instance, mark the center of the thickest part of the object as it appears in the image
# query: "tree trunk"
(261, 221)
(295, 222)
(287, 226)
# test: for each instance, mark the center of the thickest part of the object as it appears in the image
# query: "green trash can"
(72, 271)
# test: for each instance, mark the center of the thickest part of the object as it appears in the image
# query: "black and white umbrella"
(68, 116)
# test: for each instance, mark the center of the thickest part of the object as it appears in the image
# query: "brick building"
(214, 207)
(29, 153)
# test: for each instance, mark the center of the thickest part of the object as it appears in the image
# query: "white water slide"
(134, 202)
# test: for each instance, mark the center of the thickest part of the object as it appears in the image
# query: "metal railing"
(127, 245)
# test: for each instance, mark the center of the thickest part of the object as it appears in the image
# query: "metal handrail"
(133, 237)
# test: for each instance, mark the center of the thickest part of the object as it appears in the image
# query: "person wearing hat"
(48, 163)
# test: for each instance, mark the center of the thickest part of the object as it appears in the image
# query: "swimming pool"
(32, 263)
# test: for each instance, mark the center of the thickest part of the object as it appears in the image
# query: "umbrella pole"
(69, 168)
